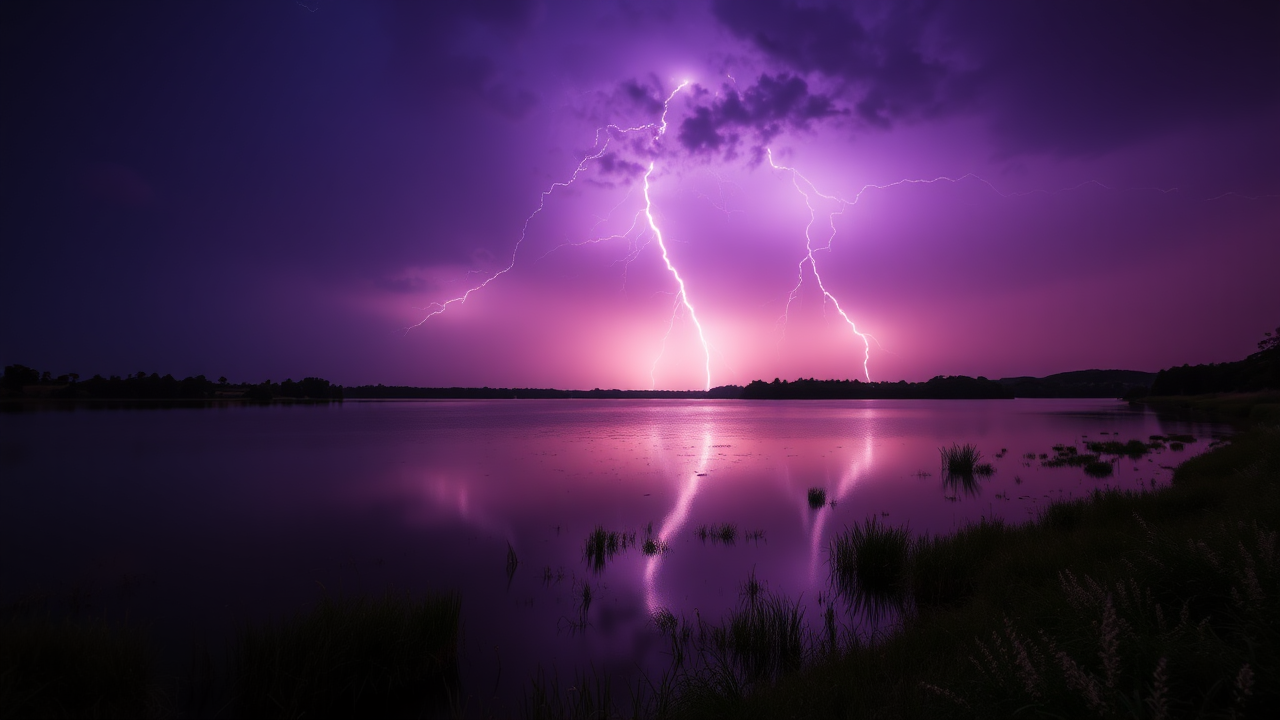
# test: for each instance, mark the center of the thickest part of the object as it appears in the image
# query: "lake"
(195, 520)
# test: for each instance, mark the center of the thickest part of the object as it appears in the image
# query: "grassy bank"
(1259, 407)
(1158, 604)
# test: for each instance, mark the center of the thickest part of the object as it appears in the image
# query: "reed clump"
(602, 545)
(868, 565)
(960, 459)
(1098, 469)
(817, 497)
(653, 546)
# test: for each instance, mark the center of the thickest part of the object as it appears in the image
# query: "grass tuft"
(868, 565)
(602, 545)
(960, 459)
(653, 546)
(817, 497)
(1098, 469)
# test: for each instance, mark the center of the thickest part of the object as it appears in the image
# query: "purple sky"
(281, 188)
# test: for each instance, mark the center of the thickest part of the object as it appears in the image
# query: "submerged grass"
(1098, 469)
(653, 546)
(602, 545)
(393, 654)
(726, 533)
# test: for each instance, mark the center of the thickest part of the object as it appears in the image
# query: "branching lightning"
(683, 295)
(796, 179)
(603, 137)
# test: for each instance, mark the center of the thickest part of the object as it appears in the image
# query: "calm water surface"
(195, 520)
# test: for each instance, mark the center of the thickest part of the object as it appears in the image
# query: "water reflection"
(274, 505)
(675, 521)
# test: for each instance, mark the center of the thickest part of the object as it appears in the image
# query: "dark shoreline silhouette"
(1258, 371)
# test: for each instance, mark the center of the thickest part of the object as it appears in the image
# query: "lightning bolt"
(800, 182)
(683, 295)
(796, 179)
(598, 150)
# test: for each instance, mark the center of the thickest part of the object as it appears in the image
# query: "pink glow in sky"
(320, 178)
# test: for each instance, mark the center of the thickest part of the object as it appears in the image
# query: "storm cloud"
(1065, 78)
(773, 103)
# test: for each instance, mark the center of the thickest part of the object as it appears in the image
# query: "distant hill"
(1081, 384)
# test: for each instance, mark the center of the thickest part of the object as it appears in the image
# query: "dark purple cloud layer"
(1068, 78)
(772, 104)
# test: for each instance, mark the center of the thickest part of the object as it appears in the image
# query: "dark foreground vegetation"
(1158, 604)
(1256, 373)
(394, 655)
(24, 383)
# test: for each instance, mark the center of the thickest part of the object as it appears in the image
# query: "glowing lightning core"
(796, 177)
(683, 295)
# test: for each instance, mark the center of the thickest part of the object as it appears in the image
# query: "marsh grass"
(653, 546)
(513, 562)
(393, 654)
(1098, 469)
(602, 545)
(584, 602)
(74, 668)
(1132, 449)
(944, 569)
(1068, 456)
(726, 533)
(1123, 603)
(817, 497)
(868, 566)
(960, 459)
(765, 637)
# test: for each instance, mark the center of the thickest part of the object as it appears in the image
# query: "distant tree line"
(942, 387)
(1259, 371)
(801, 389)
(20, 381)
(408, 392)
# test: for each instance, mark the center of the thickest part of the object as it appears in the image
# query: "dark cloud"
(611, 164)
(430, 62)
(648, 99)
(1069, 78)
(775, 102)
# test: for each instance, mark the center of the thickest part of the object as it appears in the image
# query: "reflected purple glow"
(674, 522)
(244, 513)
